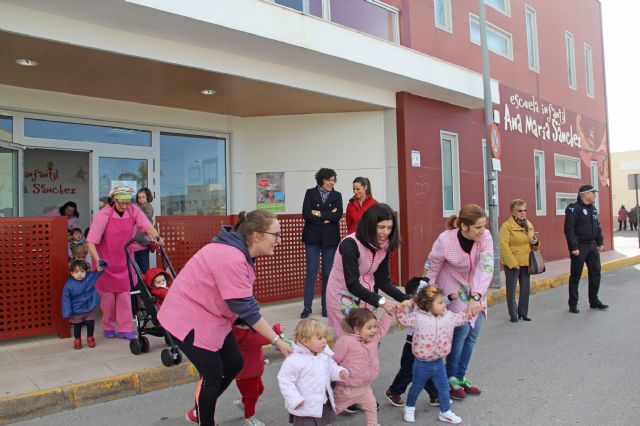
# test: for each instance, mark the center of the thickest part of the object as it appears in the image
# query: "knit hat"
(122, 192)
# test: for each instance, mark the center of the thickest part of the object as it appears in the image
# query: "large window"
(571, 60)
(498, 40)
(193, 175)
(311, 7)
(442, 12)
(566, 166)
(540, 183)
(450, 173)
(563, 199)
(501, 5)
(60, 130)
(532, 38)
(8, 170)
(588, 63)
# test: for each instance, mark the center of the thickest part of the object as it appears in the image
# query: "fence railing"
(33, 270)
(279, 277)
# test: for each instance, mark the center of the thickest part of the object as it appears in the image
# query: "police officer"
(584, 238)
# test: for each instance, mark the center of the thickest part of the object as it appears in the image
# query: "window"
(193, 177)
(593, 169)
(498, 40)
(540, 183)
(450, 173)
(501, 5)
(571, 60)
(9, 158)
(588, 63)
(567, 166)
(563, 199)
(311, 7)
(59, 130)
(442, 11)
(532, 38)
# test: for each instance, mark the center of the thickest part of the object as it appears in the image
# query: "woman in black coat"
(321, 211)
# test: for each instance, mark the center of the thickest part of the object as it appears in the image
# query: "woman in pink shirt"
(461, 265)
(110, 231)
(213, 289)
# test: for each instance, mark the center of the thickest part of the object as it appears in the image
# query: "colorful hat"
(122, 192)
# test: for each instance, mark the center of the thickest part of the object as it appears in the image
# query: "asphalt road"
(559, 369)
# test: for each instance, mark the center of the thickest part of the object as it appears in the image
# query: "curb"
(48, 401)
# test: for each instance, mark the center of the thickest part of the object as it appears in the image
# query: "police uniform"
(582, 231)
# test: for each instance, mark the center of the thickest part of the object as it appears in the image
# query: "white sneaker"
(450, 417)
(409, 414)
(253, 421)
(238, 403)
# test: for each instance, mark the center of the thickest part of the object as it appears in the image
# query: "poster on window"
(270, 191)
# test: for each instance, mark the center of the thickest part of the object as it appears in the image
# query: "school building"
(220, 106)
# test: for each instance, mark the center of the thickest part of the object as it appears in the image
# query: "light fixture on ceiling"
(26, 62)
(208, 92)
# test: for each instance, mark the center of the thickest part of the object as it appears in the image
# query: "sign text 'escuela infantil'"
(544, 121)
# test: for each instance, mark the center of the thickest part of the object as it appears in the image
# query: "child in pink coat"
(357, 351)
(432, 336)
(306, 375)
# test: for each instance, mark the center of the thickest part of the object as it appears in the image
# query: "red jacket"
(251, 343)
(355, 212)
(159, 292)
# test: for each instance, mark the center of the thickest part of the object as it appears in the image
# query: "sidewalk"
(42, 375)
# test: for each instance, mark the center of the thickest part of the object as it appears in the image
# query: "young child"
(306, 375)
(80, 252)
(80, 300)
(357, 351)
(158, 282)
(249, 379)
(404, 375)
(76, 238)
(144, 197)
(432, 336)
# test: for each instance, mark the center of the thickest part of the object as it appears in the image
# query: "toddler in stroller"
(158, 282)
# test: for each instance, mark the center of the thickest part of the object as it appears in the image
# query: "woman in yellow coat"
(517, 237)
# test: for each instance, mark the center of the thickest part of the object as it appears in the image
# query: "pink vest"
(338, 297)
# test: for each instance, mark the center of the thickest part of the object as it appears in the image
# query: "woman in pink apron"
(110, 230)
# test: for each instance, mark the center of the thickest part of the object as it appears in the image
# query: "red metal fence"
(33, 270)
(279, 277)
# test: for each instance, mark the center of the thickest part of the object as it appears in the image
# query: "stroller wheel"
(135, 347)
(166, 357)
(177, 356)
(144, 344)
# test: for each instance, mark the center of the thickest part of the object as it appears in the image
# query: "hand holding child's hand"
(101, 265)
(299, 406)
(344, 374)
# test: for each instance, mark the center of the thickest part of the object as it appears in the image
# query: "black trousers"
(77, 329)
(590, 255)
(217, 370)
(405, 375)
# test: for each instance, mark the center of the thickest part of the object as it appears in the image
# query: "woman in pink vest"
(110, 231)
(461, 265)
(213, 289)
(361, 268)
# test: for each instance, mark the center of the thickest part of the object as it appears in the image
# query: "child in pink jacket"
(357, 350)
(306, 375)
(432, 336)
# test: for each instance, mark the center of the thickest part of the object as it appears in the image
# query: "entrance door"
(9, 160)
(132, 170)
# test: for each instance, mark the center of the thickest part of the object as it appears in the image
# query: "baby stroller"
(145, 312)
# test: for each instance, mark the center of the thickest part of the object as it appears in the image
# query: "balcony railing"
(369, 16)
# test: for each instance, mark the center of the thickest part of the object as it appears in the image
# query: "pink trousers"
(363, 396)
(116, 310)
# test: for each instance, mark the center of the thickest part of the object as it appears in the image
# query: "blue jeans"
(464, 338)
(423, 370)
(312, 255)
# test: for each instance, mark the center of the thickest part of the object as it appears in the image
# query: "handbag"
(536, 262)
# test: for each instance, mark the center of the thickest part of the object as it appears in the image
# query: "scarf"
(522, 223)
(324, 194)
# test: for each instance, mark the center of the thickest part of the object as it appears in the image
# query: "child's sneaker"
(77, 344)
(192, 415)
(253, 421)
(450, 417)
(409, 414)
(395, 400)
(239, 404)
(91, 342)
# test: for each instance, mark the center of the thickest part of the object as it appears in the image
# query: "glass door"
(9, 174)
(114, 170)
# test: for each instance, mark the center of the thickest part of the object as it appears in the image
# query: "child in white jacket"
(306, 375)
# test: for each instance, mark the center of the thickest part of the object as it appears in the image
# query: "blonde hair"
(307, 328)
(79, 251)
(515, 204)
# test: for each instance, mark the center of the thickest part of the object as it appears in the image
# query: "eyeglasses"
(123, 203)
(275, 234)
(522, 210)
